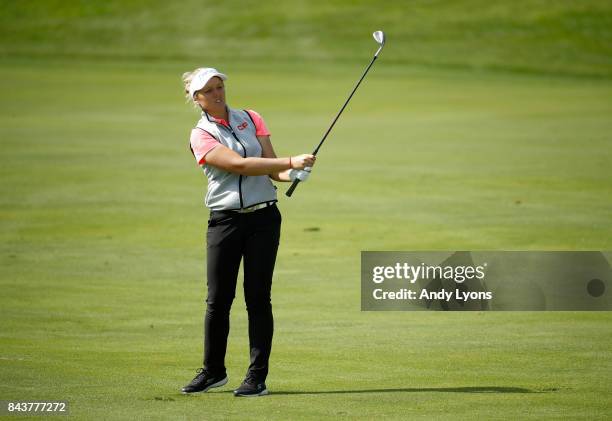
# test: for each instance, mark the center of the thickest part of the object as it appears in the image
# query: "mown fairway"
(102, 223)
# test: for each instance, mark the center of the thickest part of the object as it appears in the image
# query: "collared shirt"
(202, 142)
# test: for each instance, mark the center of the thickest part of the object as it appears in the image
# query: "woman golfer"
(233, 148)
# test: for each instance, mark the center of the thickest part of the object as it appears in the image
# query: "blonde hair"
(187, 78)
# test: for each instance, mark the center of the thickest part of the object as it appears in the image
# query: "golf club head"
(379, 37)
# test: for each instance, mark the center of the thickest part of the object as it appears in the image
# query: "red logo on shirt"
(243, 126)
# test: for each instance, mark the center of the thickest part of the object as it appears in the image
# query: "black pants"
(232, 237)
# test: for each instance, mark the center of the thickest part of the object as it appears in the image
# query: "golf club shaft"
(297, 181)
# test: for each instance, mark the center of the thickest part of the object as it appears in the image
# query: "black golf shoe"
(204, 381)
(251, 387)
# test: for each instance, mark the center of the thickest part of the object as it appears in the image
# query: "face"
(212, 96)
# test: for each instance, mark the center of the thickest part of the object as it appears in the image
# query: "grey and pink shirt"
(226, 190)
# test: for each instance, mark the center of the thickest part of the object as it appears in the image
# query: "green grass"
(534, 36)
(102, 226)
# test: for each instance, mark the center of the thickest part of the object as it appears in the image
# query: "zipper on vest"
(244, 156)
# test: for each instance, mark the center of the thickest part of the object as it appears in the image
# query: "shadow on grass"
(472, 389)
(478, 389)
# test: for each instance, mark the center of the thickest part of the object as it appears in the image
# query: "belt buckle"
(254, 208)
(249, 209)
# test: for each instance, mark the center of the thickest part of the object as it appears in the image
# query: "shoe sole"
(212, 386)
(254, 395)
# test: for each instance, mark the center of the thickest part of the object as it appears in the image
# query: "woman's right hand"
(299, 162)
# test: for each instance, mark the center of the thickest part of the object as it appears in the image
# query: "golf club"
(379, 37)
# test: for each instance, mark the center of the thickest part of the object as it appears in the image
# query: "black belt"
(251, 208)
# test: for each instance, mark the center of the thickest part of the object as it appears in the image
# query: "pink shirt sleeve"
(260, 125)
(201, 143)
